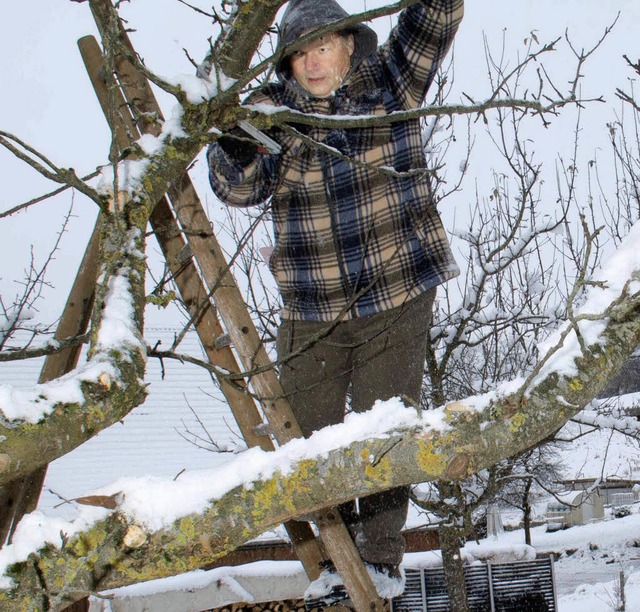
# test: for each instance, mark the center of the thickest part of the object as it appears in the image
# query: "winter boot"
(388, 579)
(326, 590)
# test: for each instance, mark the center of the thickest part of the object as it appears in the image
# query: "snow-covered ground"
(589, 561)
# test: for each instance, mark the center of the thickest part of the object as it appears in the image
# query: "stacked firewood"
(289, 605)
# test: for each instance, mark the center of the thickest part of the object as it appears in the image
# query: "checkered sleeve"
(417, 46)
(238, 185)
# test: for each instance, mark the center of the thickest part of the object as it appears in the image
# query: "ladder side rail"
(194, 295)
(173, 246)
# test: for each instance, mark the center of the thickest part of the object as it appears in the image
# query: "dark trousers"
(373, 358)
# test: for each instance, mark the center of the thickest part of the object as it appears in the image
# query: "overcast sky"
(47, 99)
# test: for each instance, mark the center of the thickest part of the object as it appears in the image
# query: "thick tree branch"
(250, 21)
(40, 424)
(118, 551)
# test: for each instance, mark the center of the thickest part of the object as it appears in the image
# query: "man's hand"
(244, 142)
(238, 145)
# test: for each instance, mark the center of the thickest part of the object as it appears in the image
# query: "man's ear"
(350, 43)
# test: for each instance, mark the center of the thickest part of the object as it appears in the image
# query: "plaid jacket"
(351, 240)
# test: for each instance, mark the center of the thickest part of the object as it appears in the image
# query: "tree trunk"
(452, 538)
(452, 533)
(526, 507)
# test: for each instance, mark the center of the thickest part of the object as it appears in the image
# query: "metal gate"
(523, 586)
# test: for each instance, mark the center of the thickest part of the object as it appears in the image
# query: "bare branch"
(46, 196)
(51, 348)
(66, 176)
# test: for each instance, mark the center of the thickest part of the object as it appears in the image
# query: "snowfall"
(590, 558)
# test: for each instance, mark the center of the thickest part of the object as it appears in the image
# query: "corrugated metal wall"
(524, 586)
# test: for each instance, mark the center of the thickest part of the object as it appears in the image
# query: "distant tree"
(534, 475)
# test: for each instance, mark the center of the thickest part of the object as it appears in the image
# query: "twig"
(46, 196)
(66, 176)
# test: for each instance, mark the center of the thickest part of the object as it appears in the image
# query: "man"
(359, 246)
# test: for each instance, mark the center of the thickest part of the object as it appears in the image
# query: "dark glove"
(238, 145)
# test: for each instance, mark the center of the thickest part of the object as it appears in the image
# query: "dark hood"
(303, 15)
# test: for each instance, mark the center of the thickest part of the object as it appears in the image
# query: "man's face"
(321, 65)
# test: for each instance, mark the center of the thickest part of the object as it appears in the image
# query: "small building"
(609, 489)
(623, 499)
(574, 508)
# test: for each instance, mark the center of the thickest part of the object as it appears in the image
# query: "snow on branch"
(41, 423)
(203, 516)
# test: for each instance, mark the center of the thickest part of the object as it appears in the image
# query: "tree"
(512, 294)
(533, 476)
(477, 433)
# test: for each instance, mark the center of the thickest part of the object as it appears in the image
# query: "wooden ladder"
(204, 280)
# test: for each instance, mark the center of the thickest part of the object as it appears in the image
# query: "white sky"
(47, 99)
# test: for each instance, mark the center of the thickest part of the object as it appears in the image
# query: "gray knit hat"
(303, 15)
